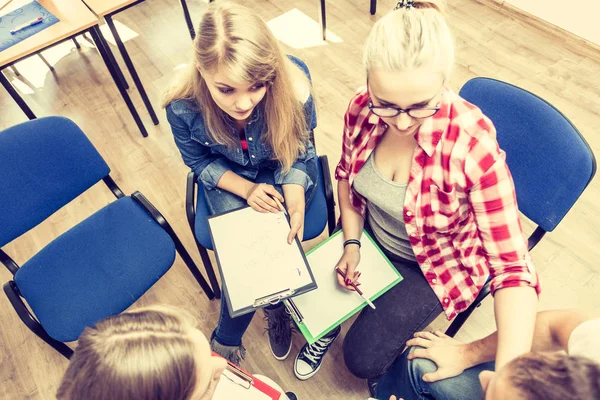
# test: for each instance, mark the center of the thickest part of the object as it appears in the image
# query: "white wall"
(581, 17)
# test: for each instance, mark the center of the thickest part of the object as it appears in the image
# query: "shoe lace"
(278, 326)
(314, 352)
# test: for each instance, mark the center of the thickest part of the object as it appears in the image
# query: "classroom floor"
(489, 43)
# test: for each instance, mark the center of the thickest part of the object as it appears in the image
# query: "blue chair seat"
(315, 218)
(75, 282)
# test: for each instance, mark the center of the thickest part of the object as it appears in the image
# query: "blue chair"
(320, 212)
(550, 161)
(99, 267)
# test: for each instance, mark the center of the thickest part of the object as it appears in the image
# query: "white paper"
(229, 388)
(323, 307)
(255, 257)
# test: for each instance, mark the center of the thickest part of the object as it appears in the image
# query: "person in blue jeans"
(242, 114)
(439, 367)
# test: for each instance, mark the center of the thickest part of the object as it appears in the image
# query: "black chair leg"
(210, 271)
(373, 7)
(50, 67)
(161, 220)
(323, 20)
(131, 68)
(15, 70)
(193, 267)
(12, 292)
(188, 19)
(18, 99)
(329, 200)
(463, 316)
(102, 47)
(77, 45)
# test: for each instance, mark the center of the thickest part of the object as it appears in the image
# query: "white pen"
(280, 205)
(26, 25)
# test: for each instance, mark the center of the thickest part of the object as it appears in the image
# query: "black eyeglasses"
(390, 112)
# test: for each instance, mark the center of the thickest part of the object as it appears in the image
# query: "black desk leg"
(373, 7)
(323, 18)
(121, 78)
(131, 68)
(13, 93)
(103, 49)
(188, 18)
(122, 81)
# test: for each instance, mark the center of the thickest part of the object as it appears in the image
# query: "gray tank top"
(385, 205)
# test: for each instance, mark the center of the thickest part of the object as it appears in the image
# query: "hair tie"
(407, 4)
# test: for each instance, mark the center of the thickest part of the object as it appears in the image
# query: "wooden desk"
(75, 19)
(106, 9)
(73, 15)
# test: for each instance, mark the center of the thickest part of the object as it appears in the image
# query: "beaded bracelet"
(352, 241)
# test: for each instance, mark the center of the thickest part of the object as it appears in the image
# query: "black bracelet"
(352, 241)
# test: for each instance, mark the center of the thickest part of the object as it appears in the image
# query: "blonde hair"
(409, 38)
(143, 354)
(233, 39)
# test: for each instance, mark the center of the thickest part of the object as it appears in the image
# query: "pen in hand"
(355, 286)
(281, 207)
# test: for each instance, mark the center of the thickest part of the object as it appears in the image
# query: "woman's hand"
(294, 197)
(392, 397)
(296, 225)
(260, 197)
(447, 353)
(347, 265)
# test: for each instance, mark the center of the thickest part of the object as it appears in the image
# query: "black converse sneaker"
(308, 361)
(280, 331)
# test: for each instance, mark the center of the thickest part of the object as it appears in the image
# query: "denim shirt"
(210, 160)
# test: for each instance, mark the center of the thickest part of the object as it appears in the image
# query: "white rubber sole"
(305, 377)
(281, 358)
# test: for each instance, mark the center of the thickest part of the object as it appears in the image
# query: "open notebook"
(257, 265)
(318, 312)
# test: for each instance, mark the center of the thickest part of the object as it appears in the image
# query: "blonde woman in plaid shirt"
(422, 172)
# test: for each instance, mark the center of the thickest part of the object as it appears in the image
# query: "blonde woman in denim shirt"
(242, 115)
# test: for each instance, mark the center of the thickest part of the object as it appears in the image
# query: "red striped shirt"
(460, 209)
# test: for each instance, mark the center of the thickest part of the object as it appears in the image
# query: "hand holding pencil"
(355, 287)
(348, 264)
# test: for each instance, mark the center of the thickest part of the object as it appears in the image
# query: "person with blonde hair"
(148, 353)
(151, 353)
(242, 115)
(422, 172)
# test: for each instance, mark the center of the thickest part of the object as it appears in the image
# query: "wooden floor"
(489, 43)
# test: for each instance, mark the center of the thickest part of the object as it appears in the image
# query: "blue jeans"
(404, 379)
(229, 331)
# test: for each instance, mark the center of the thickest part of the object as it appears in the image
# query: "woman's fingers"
(271, 191)
(261, 206)
(267, 203)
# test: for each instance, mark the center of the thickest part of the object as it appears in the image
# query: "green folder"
(335, 253)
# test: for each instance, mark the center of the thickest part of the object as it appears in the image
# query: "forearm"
(514, 309)
(551, 333)
(294, 197)
(232, 182)
(352, 221)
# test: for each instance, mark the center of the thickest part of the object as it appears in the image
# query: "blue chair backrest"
(44, 164)
(550, 161)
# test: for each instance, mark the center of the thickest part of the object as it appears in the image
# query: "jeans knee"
(420, 366)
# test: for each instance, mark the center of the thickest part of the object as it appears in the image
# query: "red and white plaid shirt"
(460, 208)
